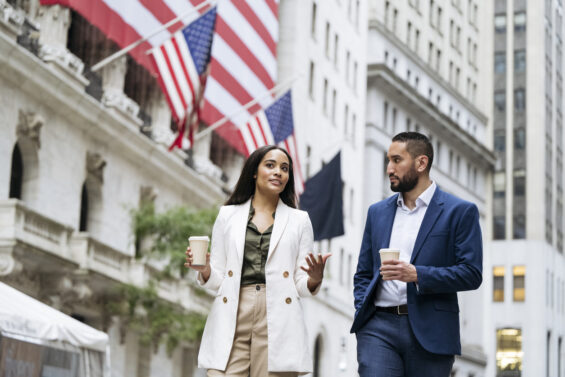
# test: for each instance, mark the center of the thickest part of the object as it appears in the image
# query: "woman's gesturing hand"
(315, 269)
(204, 270)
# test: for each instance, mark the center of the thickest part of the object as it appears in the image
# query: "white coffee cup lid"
(199, 238)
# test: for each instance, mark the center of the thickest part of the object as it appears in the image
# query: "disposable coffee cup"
(199, 248)
(389, 254)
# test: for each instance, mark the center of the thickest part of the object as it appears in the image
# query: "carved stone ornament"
(29, 125)
(147, 194)
(9, 265)
(11, 19)
(95, 165)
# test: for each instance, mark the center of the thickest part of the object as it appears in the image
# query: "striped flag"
(127, 21)
(273, 125)
(243, 68)
(181, 63)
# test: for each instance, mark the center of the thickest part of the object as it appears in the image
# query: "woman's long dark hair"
(245, 187)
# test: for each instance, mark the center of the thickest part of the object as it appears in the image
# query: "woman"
(256, 325)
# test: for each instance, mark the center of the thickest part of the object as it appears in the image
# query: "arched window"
(17, 174)
(83, 209)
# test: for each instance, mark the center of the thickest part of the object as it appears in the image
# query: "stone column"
(54, 22)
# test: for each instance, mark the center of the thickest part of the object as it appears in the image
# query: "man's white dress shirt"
(404, 232)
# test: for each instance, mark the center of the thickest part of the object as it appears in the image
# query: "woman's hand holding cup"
(201, 261)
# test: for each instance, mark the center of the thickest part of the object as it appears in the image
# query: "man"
(407, 315)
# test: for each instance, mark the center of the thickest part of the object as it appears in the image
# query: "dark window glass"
(519, 226)
(499, 141)
(520, 61)
(500, 23)
(83, 209)
(500, 100)
(519, 99)
(519, 186)
(17, 174)
(499, 228)
(520, 21)
(520, 138)
(499, 62)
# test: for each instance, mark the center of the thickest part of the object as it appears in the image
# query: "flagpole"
(130, 47)
(243, 108)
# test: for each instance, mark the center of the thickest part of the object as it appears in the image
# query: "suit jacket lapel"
(281, 219)
(385, 222)
(240, 228)
(432, 214)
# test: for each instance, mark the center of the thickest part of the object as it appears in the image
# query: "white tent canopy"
(23, 315)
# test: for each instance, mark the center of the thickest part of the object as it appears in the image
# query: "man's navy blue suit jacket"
(448, 255)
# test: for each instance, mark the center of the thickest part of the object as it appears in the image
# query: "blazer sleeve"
(364, 273)
(217, 255)
(306, 245)
(466, 273)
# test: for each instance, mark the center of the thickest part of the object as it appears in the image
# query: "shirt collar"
(252, 212)
(423, 200)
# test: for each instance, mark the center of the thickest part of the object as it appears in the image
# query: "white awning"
(23, 315)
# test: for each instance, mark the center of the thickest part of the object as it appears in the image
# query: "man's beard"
(407, 183)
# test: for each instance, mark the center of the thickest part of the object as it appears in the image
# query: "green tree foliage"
(156, 320)
(170, 231)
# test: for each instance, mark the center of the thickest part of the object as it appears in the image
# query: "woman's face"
(272, 172)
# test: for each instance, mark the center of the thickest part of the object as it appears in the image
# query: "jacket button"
(225, 300)
(288, 300)
(230, 273)
(285, 274)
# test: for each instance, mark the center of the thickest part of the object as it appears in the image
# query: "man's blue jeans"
(387, 347)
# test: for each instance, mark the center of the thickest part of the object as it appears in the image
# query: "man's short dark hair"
(417, 144)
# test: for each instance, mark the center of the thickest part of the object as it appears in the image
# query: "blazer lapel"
(432, 214)
(383, 225)
(240, 227)
(281, 219)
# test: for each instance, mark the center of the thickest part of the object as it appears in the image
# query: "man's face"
(401, 168)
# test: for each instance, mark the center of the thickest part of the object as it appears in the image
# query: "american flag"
(243, 68)
(273, 125)
(181, 64)
(127, 21)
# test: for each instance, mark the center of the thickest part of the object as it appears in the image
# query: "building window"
(499, 231)
(17, 173)
(498, 284)
(500, 62)
(519, 227)
(500, 100)
(519, 274)
(334, 105)
(346, 120)
(336, 49)
(519, 61)
(311, 80)
(327, 40)
(520, 139)
(83, 220)
(355, 75)
(520, 21)
(519, 99)
(348, 59)
(500, 23)
(313, 20)
(325, 99)
(509, 352)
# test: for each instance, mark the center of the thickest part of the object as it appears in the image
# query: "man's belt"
(400, 309)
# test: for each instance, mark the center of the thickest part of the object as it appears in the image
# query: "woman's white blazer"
(291, 240)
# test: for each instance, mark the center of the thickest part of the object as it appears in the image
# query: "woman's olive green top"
(255, 252)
